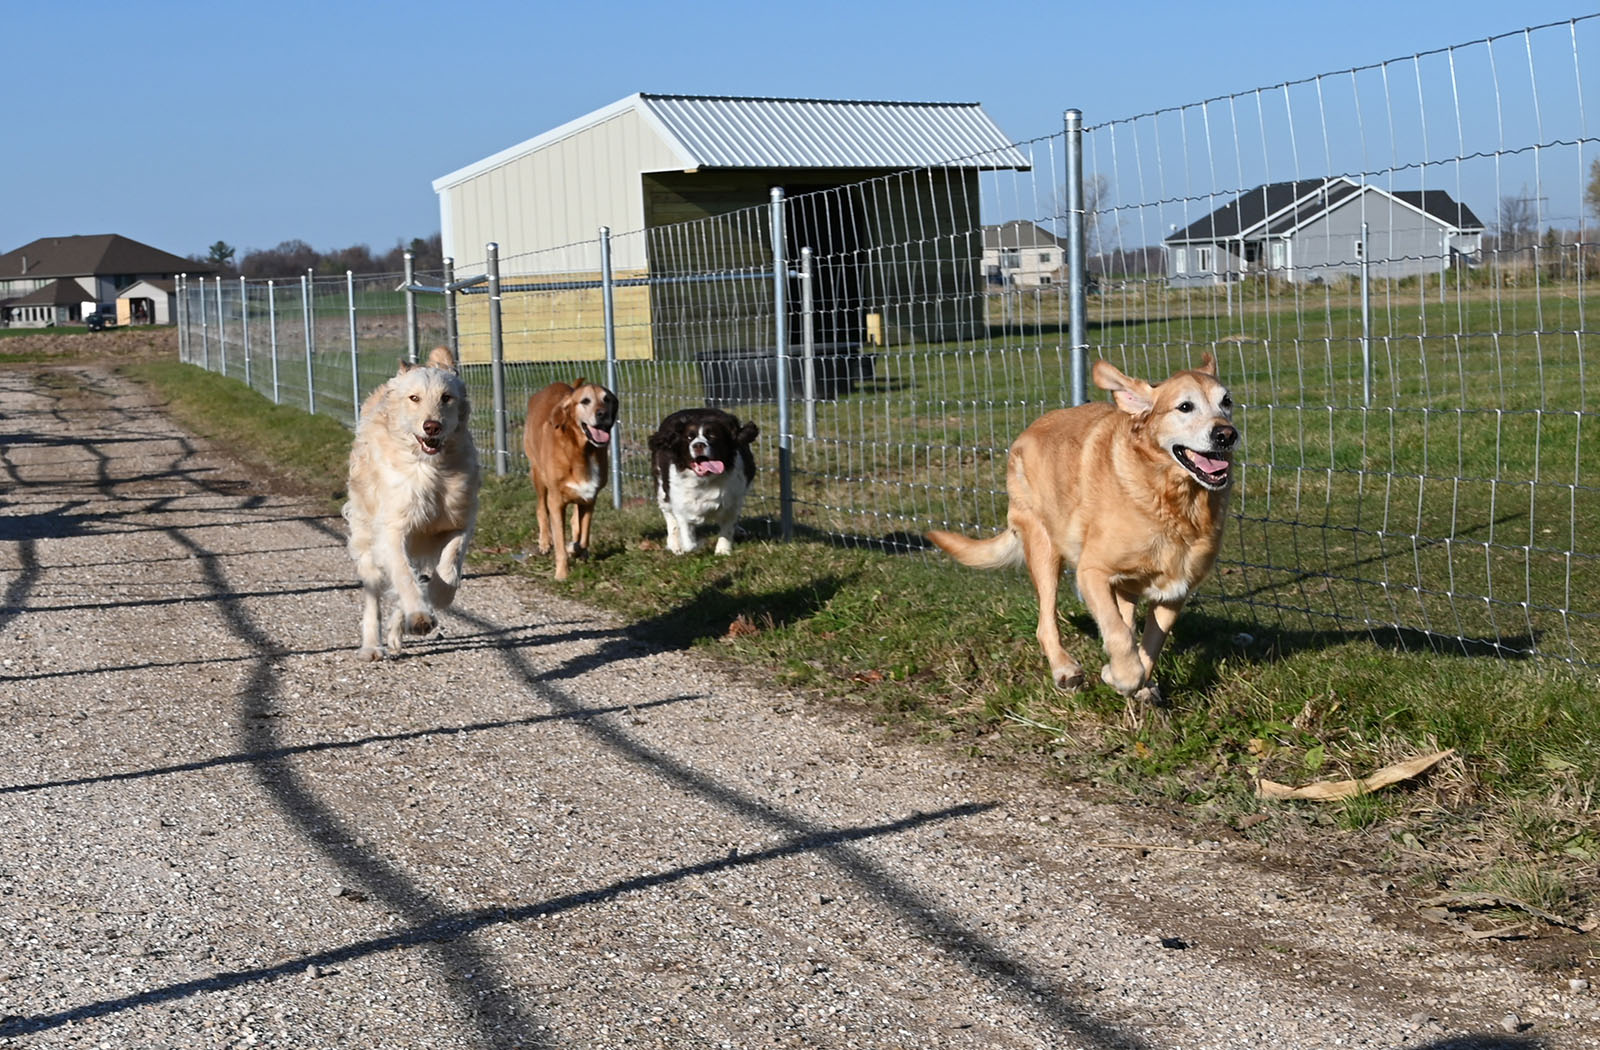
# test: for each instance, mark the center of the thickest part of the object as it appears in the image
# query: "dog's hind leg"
(1044, 566)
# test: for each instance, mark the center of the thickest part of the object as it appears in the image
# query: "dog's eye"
(1185, 406)
(585, 401)
(445, 399)
(1227, 402)
(416, 397)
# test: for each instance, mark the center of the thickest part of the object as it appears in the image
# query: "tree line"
(293, 258)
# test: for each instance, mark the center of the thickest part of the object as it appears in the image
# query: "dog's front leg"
(1158, 625)
(1124, 670)
(447, 572)
(555, 512)
(413, 612)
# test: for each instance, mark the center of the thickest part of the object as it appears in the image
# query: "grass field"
(1299, 663)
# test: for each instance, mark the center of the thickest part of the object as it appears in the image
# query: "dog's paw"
(369, 654)
(1069, 679)
(724, 545)
(1151, 696)
(419, 623)
(1124, 686)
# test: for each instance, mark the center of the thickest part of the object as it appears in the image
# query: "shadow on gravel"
(292, 750)
(444, 932)
(1486, 1042)
(943, 930)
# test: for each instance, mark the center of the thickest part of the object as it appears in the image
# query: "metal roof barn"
(649, 167)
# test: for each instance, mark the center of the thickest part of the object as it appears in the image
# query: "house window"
(1202, 260)
(1180, 261)
(1011, 259)
(1044, 278)
(1279, 254)
(1044, 257)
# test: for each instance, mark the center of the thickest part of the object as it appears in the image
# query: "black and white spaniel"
(701, 461)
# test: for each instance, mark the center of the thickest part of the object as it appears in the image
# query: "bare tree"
(1591, 194)
(1518, 224)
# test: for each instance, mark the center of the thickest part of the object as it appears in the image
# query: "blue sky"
(180, 124)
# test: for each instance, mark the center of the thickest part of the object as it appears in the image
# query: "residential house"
(1022, 254)
(62, 280)
(1312, 230)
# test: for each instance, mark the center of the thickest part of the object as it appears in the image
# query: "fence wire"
(1394, 265)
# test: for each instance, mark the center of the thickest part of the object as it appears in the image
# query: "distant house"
(651, 163)
(1310, 230)
(62, 280)
(1022, 254)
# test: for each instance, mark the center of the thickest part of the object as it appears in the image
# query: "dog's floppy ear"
(1133, 396)
(441, 357)
(747, 433)
(661, 441)
(1208, 364)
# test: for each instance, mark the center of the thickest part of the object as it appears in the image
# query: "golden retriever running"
(413, 503)
(567, 437)
(1135, 495)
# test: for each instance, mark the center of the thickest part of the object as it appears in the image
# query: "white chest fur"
(586, 490)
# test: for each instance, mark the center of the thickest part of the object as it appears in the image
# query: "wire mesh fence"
(1394, 266)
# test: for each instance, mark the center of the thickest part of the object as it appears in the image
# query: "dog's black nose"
(1223, 435)
(431, 427)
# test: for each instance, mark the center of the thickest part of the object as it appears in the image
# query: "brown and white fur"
(701, 461)
(1134, 494)
(413, 498)
(567, 438)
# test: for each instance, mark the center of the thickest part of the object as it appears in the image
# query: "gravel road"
(218, 829)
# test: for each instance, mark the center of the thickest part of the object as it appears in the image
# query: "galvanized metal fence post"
(808, 342)
(1366, 321)
(222, 328)
(452, 338)
(608, 299)
(272, 333)
(307, 316)
(355, 364)
(497, 362)
(244, 327)
(1077, 262)
(205, 329)
(411, 307)
(181, 318)
(780, 316)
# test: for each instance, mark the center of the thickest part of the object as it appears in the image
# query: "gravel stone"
(217, 828)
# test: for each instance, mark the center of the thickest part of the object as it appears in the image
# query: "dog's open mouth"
(706, 465)
(1211, 471)
(596, 435)
(430, 445)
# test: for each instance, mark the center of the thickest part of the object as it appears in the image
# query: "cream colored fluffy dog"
(413, 503)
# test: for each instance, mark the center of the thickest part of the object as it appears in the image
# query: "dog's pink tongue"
(598, 436)
(707, 466)
(1207, 464)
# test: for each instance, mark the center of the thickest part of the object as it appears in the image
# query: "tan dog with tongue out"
(567, 438)
(1133, 493)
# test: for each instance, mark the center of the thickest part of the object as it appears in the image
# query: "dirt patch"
(117, 345)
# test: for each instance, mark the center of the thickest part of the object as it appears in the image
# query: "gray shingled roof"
(1019, 233)
(1280, 206)
(96, 255)
(60, 292)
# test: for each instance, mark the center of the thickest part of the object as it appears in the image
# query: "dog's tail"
(996, 552)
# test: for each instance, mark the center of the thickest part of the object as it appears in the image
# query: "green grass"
(1345, 629)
